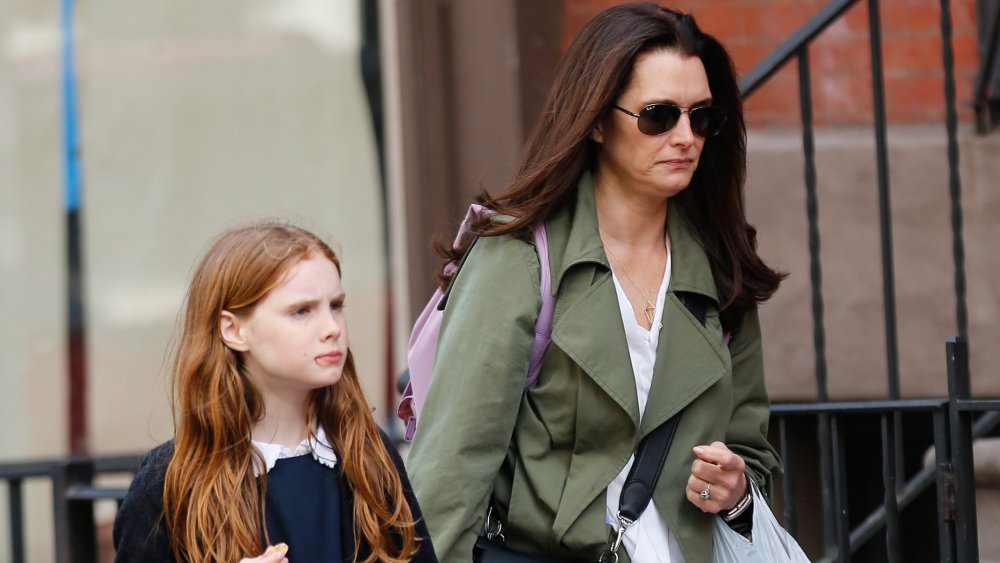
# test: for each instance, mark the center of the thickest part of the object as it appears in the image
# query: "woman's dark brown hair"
(595, 70)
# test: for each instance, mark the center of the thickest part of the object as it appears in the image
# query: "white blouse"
(316, 444)
(649, 539)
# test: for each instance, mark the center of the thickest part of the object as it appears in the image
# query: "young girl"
(276, 451)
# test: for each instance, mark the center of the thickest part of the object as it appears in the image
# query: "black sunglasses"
(657, 119)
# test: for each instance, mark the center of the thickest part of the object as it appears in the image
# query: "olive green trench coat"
(546, 455)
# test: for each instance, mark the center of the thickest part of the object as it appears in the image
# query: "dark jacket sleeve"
(140, 533)
(426, 547)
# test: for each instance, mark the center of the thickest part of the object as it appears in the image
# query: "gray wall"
(193, 116)
(852, 266)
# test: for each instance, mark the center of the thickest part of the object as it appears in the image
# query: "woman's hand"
(717, 481)
(273, 554)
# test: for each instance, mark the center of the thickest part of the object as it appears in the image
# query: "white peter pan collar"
(316, 444)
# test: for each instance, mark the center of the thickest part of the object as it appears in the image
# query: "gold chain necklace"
(650, 307)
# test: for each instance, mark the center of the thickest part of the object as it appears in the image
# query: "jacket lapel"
(689, 357)
(590, 332)
(688, 361)
(587, 324)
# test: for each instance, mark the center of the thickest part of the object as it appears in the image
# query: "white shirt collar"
(316, 444)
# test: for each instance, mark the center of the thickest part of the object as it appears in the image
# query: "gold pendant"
(650, 312)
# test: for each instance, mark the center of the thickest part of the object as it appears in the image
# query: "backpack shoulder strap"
(543, 326)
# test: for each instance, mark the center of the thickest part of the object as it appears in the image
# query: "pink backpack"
(423, 340)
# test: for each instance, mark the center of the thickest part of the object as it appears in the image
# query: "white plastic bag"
(771, 543)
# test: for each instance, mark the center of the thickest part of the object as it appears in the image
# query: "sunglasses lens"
(707, 121)
(657, 119)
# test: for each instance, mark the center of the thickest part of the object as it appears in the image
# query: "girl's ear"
(232, 332)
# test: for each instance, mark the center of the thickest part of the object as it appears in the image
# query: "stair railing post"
(75, 531)
(959, 389)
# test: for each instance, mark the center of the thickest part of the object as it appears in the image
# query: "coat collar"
(316, 444)
(690, 358)
(582, 276)
(576, 228)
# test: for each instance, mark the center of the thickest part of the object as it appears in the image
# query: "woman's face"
(656, 166)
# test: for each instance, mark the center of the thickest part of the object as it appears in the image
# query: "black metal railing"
(950, 470)
(797, 45)
(954, 420)
(74, 495)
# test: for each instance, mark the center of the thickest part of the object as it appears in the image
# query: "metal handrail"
(790, 47)
(953, 421)
(117, 463)
(73, 496)
(923, 479)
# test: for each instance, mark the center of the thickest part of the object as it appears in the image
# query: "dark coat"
(140, 533)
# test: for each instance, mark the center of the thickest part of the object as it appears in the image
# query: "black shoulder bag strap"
(650, 455)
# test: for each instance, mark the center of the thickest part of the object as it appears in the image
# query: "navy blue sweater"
(305, 501)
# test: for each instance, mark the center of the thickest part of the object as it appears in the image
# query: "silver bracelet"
(740, 507)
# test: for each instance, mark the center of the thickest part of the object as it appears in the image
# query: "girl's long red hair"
(212, 503)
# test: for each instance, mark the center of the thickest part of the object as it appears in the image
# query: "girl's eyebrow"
(306, 302)
(313, 301)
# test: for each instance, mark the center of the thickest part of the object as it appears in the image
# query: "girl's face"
(295, 339)
(657, 166)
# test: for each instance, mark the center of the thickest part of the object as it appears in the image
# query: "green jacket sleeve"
(747, 433)
(468, 418)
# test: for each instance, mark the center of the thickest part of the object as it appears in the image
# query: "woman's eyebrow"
(701, 102)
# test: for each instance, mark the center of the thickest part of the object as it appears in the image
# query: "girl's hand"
(717, 481)
(274, 554)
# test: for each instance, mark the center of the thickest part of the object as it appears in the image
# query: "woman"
(636, 167)
(275, 442)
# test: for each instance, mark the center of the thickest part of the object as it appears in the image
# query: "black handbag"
(650, 456)
(490, 551)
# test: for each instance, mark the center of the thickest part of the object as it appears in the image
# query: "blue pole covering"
(75, 295)
(70, 130)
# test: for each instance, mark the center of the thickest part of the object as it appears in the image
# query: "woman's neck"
(627, 218)
(285, 422)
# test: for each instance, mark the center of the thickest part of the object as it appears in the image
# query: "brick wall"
(839, 60)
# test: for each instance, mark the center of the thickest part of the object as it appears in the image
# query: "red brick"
(775, 104)
(833, 55)
(911, 53)
(842, 99)
(783, 18)
(747, 56)
(966, 52)
(724, 20)
(856, 18)
(839, 59)
(911, 16)
(964, 15)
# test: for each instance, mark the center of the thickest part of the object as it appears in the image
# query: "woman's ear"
(597, 133)
(232, 332)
